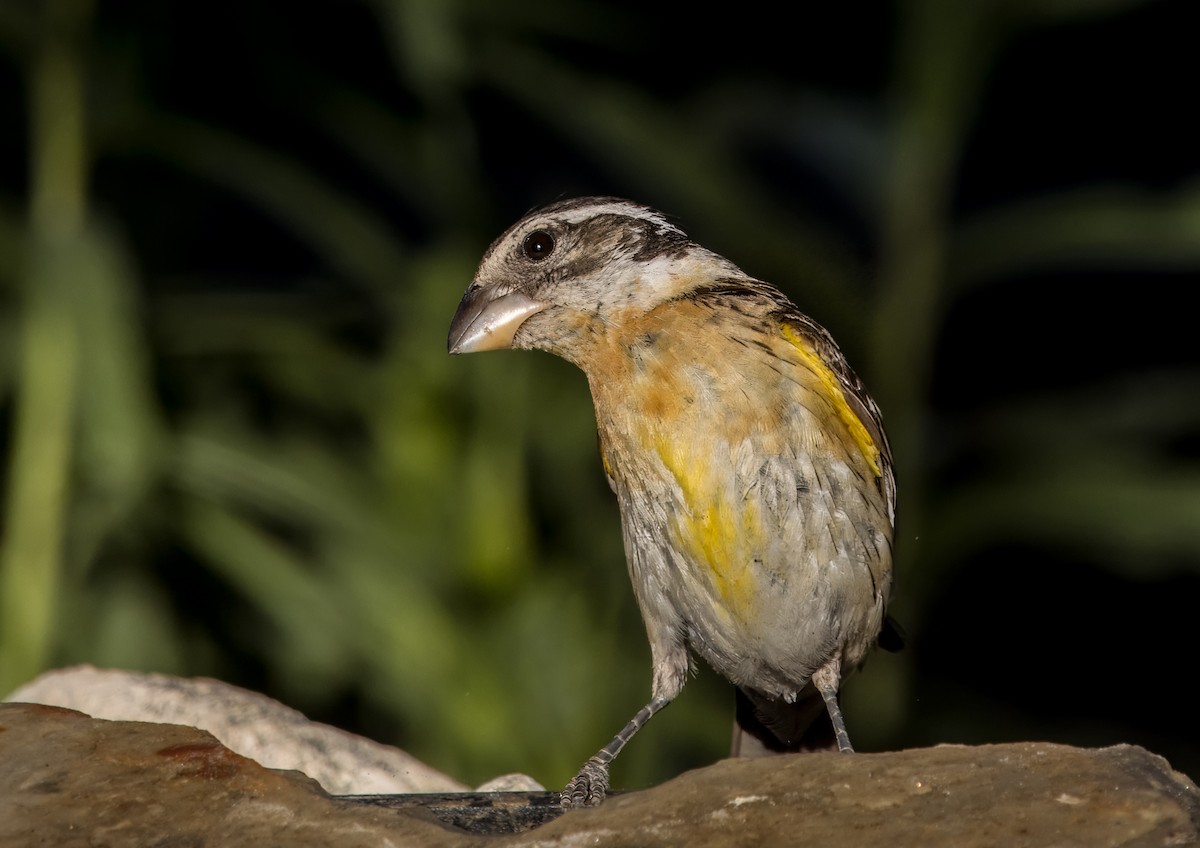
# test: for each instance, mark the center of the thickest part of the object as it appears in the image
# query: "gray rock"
(68, 780)
(515, 782)
(247, 723)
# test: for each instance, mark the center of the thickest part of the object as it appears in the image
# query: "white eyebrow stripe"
(629, 210)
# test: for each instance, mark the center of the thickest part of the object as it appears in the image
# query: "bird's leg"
(827, 679)
(588, 788)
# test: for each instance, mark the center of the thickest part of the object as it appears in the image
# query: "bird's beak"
(486, 322)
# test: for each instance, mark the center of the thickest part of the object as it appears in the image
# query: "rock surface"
(69, 780)
(248, 723)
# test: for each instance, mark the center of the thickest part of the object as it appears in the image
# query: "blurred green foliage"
(231, 240)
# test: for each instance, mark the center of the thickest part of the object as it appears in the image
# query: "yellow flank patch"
(832, 389)
(715, 531)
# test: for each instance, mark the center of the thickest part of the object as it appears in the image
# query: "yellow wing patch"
(833, 390)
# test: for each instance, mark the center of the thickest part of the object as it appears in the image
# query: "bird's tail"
(764, 726)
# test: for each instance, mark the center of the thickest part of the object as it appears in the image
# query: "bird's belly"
(770, 573)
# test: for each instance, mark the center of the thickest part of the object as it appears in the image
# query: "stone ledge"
(69, 780)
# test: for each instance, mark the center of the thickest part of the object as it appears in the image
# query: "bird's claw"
(588, 788)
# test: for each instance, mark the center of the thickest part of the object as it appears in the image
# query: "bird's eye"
(538, 245)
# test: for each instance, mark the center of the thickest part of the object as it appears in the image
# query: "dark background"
(232, 236)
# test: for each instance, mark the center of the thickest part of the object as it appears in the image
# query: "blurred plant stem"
(31, 554)
(942, 57)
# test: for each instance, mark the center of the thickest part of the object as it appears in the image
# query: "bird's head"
(564, 275)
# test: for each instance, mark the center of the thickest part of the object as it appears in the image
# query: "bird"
(752, 472)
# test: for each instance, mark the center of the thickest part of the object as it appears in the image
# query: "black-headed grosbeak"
(751, 467)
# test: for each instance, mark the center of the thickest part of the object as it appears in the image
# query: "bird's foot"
(588, 788)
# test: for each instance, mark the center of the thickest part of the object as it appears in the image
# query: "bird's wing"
(762, 301)
(857, 398)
